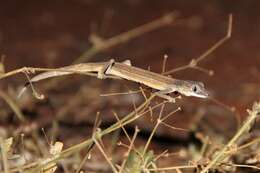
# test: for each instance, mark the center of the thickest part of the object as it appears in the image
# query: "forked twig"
(247, 126)
(194, 62)
(104, 154)
(126, 36)
(131, 146)
(76, 148)
(123, 128)
(173, 168)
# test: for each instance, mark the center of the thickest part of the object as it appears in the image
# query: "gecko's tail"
(40, 77)
(23, 90)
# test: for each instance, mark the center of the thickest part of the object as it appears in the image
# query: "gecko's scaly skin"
(126, 71)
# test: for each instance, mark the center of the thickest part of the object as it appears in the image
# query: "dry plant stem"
(20, 115)
(123, 128)
(160, 155)
(204, 146)
(164, 63)
(248, 144)
(13, 105)
(243, 130)
(76, 148)
(84, 159)
(159, 121)
(153, 132)
(174, 128)
(173, 168)
(245, 166)
(32, 70)
(4, 155)
(193, 63)
(119, 39)
(126, 36)
(139, 115)
(131, 146)
(103, 153)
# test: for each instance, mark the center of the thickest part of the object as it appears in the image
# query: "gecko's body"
(124, 70)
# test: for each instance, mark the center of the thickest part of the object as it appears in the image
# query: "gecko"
(163, 84)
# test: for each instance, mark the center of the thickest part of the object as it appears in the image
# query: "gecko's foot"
(171, 100)
(101, 76)
(28, 70)
(164, 96)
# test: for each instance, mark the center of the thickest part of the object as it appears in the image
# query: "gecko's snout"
(198, 90)
(204, 94)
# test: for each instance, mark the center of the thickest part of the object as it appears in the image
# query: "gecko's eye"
(194, 88)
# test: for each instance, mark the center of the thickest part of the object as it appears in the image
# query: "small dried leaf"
(55, 149)
(7, 144)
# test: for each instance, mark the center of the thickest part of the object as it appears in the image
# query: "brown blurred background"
(53, 33)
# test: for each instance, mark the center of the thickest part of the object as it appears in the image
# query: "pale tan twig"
(126, 36)
(160, 155)
(165, 57)
(104, 154)
(153, 131)
(257, 140)
(76, 148)
(104, 44)
(173, 168)
(131, 146)
(127, 147)
(4, 155)
(253, 114)
(123, 128)
(244, 166)
(174, 128)
(194, 62)
(13, 106)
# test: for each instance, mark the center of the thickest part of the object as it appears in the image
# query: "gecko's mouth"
(202, 94)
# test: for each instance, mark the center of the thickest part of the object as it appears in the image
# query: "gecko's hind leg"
(102, 73)
(163, 94)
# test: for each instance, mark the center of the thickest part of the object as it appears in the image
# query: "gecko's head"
(195, 89)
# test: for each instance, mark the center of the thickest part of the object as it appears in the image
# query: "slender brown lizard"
(165, 85)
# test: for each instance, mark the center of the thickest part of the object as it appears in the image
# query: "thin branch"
(253, 114)
(194, 62)
(13, 106)
(173, 168)
(126, 36)
(105, 155)
(129, 149)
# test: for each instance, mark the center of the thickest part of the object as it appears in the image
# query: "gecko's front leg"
(163, 94)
